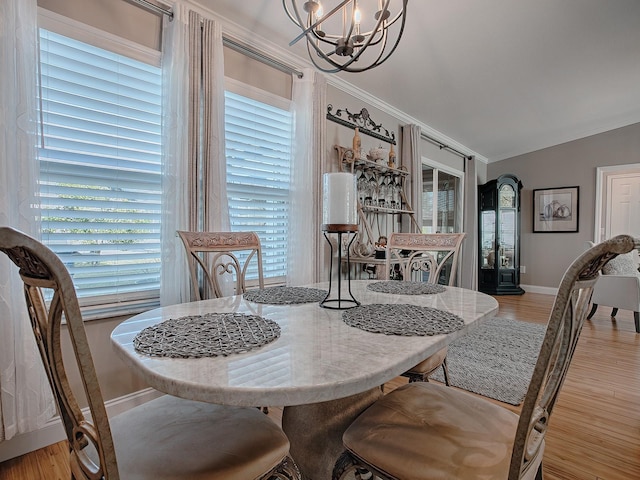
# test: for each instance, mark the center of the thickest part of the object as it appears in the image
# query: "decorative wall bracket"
(363, 122)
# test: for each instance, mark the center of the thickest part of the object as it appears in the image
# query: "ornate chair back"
(420, 253)
(215, 254)
(40, 268)
(563, 330)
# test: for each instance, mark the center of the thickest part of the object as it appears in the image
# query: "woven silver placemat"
(407, 320)
(208, 335)
(405, 288)
(285, 295)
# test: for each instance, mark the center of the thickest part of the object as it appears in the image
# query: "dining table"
(323, 366)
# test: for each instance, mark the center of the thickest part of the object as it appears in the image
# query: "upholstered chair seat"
(246, 444)
(444, 450)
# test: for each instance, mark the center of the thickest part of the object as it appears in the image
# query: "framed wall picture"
(555, 210)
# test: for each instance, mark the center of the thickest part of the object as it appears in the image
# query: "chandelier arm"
(325, 39)
(392, 21)
(317, 22)
(378, 61)
(378, 38)
(299, 23)
(379, 22)
(325, 56)
(322, 68)
(387, 24)
(291, 17)
(311, 43)
(346, 67)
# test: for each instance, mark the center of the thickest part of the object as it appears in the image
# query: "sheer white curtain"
(195, 188)
(174, 284)
(469, 254)
(309, 104)
(26, 402)
(412, 160)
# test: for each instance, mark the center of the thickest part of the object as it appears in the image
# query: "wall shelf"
(362, 121)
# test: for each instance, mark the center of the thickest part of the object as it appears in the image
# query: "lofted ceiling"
(500, 77)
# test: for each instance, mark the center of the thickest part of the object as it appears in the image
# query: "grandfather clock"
(499, 236)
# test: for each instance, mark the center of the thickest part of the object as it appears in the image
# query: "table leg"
(315, 431)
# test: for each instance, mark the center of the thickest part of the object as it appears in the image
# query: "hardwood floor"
(594, 433)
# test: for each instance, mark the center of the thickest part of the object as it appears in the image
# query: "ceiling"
(500, 77)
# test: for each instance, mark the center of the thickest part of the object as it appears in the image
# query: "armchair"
(618, 287)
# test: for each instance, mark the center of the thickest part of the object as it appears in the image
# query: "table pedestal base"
(315, 431)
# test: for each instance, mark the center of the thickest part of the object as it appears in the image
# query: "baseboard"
(539, 289)
(53, 431)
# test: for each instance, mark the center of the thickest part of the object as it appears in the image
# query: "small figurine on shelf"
(392, 158)
(356, 143)
(381, 247)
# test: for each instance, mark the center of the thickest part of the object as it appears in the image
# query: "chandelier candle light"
(339, 35)
(340, 216)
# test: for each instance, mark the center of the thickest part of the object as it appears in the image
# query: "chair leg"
(594, 307)
(636, 319)
(614, 312)
(445, 371)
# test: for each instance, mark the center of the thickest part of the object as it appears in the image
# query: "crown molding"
(399, 114)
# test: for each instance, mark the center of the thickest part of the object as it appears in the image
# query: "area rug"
(495, 360)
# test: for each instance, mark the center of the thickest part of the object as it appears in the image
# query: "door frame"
(602, 173)
(440, 167)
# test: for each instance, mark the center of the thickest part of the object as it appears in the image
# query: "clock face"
(507, 196)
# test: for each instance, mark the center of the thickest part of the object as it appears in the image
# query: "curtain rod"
(233, 44)
(261, 57)
(444, 146)
(154, 8)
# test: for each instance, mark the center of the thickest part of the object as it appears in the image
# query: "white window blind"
(258, 150)
(100, 168)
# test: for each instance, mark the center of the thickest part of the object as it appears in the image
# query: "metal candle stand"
(339, 215)
(339, 303)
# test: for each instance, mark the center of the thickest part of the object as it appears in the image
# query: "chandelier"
(352, 36)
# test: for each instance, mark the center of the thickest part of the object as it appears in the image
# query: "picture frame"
(556, 210)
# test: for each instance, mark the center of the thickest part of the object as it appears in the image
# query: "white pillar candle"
(339, 199)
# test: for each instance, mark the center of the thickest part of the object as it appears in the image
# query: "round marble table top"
(316, 358)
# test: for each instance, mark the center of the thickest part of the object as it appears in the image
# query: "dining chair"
(426, 431)
(164, 438)
(218, 254)
(429, 257)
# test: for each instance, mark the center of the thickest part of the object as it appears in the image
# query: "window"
(441, 201)
(100, 168)
(258, 136)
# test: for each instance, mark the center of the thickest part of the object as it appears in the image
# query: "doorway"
(617, 201)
